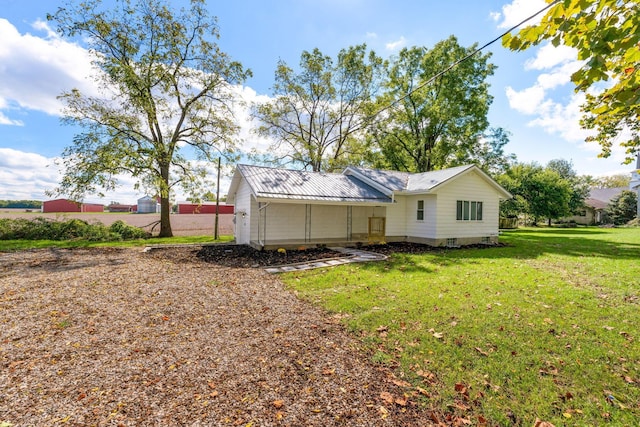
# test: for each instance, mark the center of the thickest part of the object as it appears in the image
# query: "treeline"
(20, 204)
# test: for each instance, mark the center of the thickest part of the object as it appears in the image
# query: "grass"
(18, 245)
(544, 328)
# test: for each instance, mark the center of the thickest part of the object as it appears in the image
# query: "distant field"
(182, 225)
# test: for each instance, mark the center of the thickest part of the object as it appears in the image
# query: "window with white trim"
(468, 210)
(420, 211)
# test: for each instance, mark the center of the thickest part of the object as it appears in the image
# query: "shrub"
(127, 232)
(41, 228)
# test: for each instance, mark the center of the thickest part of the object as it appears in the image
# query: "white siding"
(284, 221)
(243, 213)
(328, 222)
(397, 218)
(360, 219)
(427, 227)
(470, 187)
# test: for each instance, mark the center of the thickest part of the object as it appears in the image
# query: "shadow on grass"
(522, 244)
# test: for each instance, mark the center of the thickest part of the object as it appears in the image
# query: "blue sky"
(533, 97)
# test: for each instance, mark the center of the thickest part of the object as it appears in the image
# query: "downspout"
(260, 241)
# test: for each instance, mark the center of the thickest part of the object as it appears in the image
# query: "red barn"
(65, 205)
(203, 208)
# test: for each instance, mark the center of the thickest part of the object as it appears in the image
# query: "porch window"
(467, 210)
(420, 211)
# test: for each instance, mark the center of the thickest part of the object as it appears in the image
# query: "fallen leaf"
(387, 397)
(628, 379)
(328, 371)
(461, 388)
(540, 423)
(401, 383)
(483, 353)
(401, 401)
(423, 391)
(278, 403)
(438, 335)
(384, 412)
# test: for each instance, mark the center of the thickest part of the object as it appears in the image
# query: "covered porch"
(305, 225)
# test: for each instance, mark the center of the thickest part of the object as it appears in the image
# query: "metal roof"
(276, 183)
(405, 181)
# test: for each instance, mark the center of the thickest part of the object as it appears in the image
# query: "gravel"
(122, 337)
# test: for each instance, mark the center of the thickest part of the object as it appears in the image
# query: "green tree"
(612, 181)
(433, 124)
(622, 208)
(579, 184)
(538, 192)
(606, 36)
(318, 113)
(166, 92)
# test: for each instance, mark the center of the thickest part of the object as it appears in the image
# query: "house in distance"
(277, 207)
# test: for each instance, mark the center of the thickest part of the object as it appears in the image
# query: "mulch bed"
(247, 256)
(118, 337)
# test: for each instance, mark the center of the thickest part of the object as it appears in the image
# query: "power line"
(460, 61)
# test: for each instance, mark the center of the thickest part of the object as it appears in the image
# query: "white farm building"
(289, 208)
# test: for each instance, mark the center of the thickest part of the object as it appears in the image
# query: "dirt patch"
(122, 337)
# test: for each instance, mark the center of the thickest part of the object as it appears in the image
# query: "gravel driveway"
(122, 337)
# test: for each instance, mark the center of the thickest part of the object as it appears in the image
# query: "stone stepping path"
(351, 255)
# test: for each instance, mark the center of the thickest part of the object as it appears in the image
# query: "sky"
(533, 97)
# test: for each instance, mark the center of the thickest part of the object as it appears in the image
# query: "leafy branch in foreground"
(606, 36)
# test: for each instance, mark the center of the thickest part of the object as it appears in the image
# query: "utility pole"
(215, 233)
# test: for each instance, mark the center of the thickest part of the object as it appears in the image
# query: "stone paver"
(350, 255)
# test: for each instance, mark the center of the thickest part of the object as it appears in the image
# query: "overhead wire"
(461, 60)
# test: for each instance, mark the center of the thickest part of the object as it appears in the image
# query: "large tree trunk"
(165, 206)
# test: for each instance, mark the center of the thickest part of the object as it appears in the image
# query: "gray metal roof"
(393, 180)
(428, 180)
(405, 181)
(276, 183)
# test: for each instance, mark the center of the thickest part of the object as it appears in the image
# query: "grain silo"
(147, 204)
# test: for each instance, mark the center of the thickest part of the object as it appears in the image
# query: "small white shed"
(288, 208)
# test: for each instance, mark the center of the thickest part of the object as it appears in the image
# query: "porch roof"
(291, 185)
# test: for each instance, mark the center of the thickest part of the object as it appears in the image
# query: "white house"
(290, 208)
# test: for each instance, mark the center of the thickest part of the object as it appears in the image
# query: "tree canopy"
(622, 208)
(549, 192)
(166, 93)
(606, 36)
(317, 113)
(433, 123)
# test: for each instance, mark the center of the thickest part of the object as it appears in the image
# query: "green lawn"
(546, 327)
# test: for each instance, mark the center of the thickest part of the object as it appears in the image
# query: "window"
(468, 210)
(420, 211)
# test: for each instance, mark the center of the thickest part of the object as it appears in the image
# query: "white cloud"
(396, 45)
(526, 101)
(518, 10)
(4, 120)
(26, 175)
(372, 35)
(248, 139)
(35, 70)
(549, 56)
